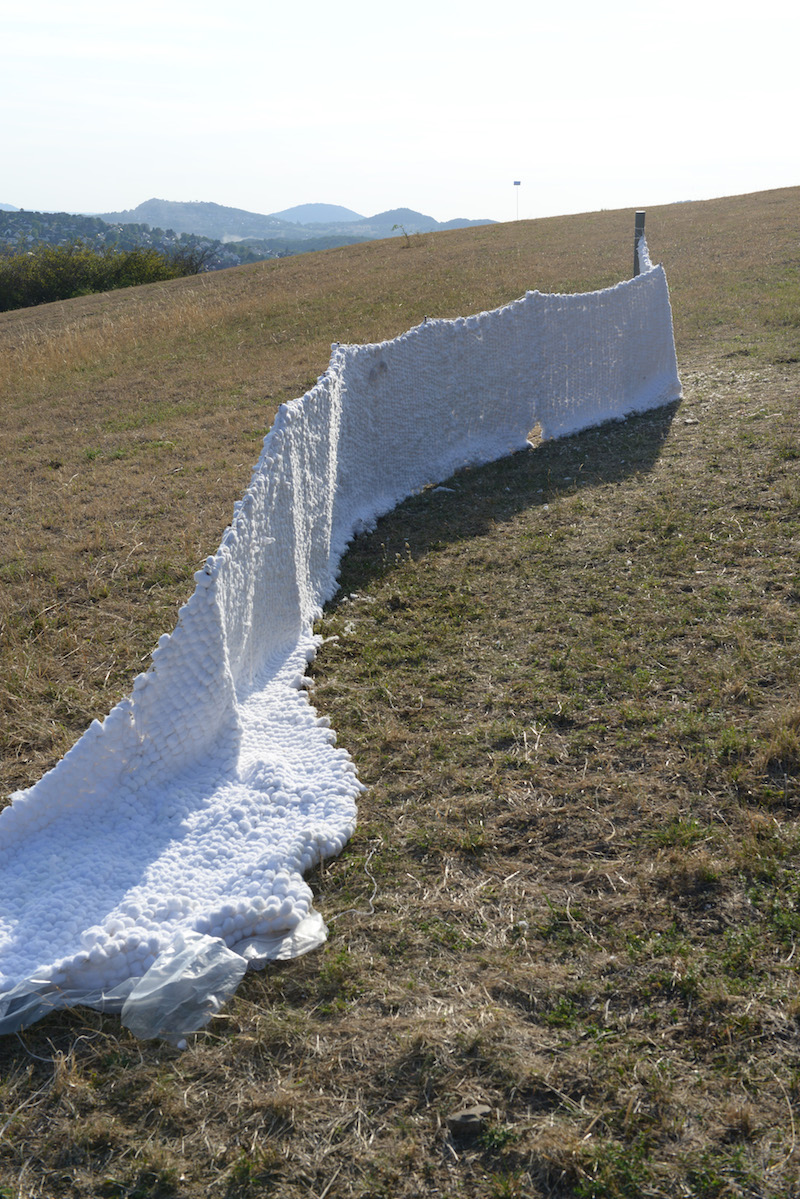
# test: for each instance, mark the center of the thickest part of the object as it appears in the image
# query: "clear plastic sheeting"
(183, 989)
(34, 999)
(180, 828)
(186, 985)
(309, 934)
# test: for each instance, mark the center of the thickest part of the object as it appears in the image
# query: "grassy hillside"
(570, 683)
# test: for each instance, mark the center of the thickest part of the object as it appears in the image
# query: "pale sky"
(437, 105)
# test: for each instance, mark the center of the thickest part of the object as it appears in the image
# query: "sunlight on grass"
(569, 681)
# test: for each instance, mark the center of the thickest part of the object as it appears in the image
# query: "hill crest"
(207, 219)
(318, 214)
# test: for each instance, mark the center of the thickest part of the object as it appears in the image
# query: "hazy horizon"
(439, 109)
(4, 205)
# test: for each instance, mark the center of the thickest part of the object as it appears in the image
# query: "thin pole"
(516, 189)
(638, 233)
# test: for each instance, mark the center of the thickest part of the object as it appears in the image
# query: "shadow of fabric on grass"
(471, 502)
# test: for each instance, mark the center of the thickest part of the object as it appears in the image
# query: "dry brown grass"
(570, 685)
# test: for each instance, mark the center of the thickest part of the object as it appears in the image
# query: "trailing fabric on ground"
(166, 851)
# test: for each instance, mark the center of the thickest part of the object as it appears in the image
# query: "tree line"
(47, 273)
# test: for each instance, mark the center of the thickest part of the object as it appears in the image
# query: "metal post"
(638, 232)
(516, 192)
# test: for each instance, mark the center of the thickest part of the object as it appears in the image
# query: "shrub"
(47, 273)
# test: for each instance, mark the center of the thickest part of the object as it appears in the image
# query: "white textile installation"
(166, 851)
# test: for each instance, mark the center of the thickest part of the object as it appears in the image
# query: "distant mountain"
(203, 219)
(393, 223)
(21, 230)
(327, 221)
(318, 214)
(222, 236)
(406, 220)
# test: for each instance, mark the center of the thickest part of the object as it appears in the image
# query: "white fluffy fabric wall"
(166, 851)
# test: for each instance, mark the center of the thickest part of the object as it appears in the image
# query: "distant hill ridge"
(225, 224)
(318, 214)
(222, 237)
